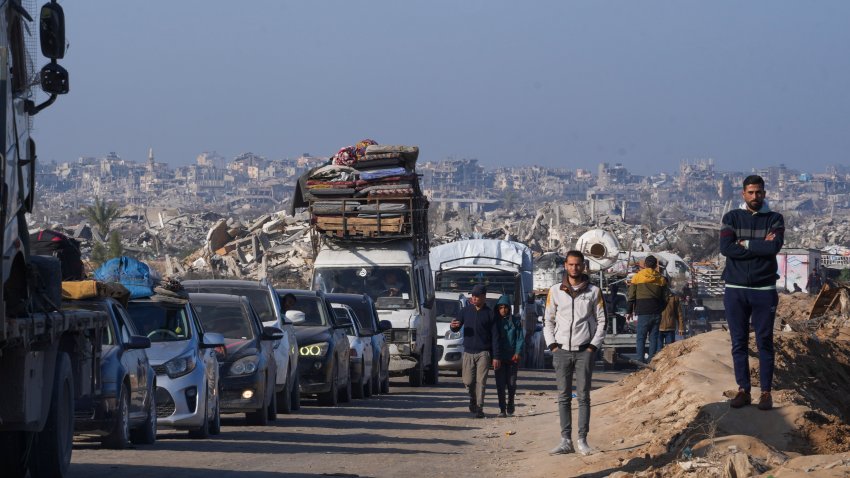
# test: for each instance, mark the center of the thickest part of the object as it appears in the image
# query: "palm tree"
(101, 214)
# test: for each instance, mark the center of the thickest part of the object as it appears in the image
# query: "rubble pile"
(817, 232)
(275, 246)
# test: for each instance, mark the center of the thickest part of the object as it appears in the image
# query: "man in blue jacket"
(750, 238)
(480, 346)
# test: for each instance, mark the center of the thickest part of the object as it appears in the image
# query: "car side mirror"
(272, 333)
(212, 340)
(385, 325)
(138, 342)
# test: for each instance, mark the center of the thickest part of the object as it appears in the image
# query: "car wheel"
(284, 397)
(259, 417)
(203, 431)
(331, 397)
(376, 378)
(345, 392)
(146, 434)
(215, 423)
(272, 408)
(460, 373)
(119, 436)
(367, 387)
(358, 389)
(296, 393)
(13, 449)
(51, 455)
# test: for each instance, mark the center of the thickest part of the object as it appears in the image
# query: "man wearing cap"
(480, 346)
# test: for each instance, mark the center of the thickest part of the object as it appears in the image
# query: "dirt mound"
(675, 420)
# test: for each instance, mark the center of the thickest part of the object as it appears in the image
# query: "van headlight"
(314, 350)
(245, 366)
(177, 367)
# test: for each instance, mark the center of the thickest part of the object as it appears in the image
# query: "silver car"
(184, 360)
(449, 344)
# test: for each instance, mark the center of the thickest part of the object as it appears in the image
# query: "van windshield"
(499, 282)
(390, 287)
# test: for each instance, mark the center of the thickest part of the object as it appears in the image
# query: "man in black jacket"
(750, 238)
(480, 346)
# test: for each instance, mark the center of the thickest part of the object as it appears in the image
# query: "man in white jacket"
(574, 327)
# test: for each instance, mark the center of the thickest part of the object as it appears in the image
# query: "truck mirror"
(54, 79)
(52, 31)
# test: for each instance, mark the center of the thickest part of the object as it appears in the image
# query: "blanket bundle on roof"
(350, 155)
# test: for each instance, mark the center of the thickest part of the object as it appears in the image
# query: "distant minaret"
(150, 161)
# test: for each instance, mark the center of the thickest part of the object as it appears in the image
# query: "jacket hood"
(504, 300)
(765, 207)
(649, 276)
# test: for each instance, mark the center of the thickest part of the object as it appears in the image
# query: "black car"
(323, 347)
(371, 325)
(264, 300)
(247, 366)
(125, 410)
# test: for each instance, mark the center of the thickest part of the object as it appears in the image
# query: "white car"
(449, 344)
(361, 360)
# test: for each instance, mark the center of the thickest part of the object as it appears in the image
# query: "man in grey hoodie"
(574, 327)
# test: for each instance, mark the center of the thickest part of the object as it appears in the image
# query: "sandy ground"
(676, 421)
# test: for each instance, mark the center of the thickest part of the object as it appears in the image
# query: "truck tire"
(51, 453)
(13, 447)
(416, 375)
(119, 434)
(432, 375)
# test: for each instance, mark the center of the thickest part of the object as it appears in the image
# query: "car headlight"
(245, 365)
(177, 367)
(454, 335)
(314, 350)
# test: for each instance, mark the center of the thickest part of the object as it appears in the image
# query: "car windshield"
(228, 320)
(315, 314)
(160, 322)
(447, 309)
(389, 287)
(260, 299)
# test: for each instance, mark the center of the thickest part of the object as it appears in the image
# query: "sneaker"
(741, 399)
(502, 414)
(583, 447)
(566, 446)
(765, 401)
(479, 413)
(510, 409)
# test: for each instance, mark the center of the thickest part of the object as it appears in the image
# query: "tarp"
(504, 255)
(133, 274)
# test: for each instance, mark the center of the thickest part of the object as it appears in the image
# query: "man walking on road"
(647, 298)
(750, 238)
(574, 327)
(480, 346)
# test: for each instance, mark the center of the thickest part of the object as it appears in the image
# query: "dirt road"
(424, 431)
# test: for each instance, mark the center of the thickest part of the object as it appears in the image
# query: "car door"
(207, 356)
(134, 361)
(381, 340)
(285, 350)
(341, 344)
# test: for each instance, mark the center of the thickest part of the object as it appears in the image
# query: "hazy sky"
(555, 83)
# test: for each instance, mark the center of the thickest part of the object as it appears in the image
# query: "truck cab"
(401, 284)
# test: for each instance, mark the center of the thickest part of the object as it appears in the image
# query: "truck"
(370, 236)
(505, 267)
(49, 359)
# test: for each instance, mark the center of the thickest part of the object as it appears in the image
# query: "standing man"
(480, 346)
(750, 238)
(574, 327)
(647, 298)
